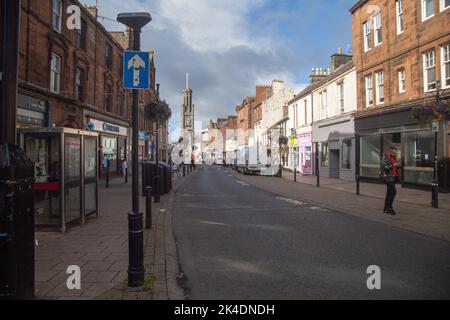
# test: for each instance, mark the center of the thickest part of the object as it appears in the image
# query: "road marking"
(243, 183)
(214, 223)
(318, 209)
(292, 201)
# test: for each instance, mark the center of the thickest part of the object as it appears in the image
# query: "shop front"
(112, 142)
(305, 152)
(32, 111)
(336, 145)
(415, 144)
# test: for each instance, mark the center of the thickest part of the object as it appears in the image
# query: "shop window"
(347, 154)
(325, 155)
(419, 157)
(370, 156)
(109, 153)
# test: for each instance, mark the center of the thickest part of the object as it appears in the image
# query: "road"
(236, 241)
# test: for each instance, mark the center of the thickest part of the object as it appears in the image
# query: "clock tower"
(187, 112)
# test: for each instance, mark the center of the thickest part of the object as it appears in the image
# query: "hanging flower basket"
(284, 140)
(423, 114)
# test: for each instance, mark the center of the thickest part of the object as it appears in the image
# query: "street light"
(136, 21)
(435, 184)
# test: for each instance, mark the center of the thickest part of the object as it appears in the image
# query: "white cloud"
(212, 40)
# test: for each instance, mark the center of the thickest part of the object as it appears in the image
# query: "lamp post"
(435, 184)
(157, 176)
(136, 21)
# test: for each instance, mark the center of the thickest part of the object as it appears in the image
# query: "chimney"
(92, 10)
(317, 75)
(339, 59)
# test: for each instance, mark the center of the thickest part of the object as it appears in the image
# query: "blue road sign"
(136, 70)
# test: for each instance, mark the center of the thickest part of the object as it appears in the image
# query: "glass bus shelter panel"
(90, 175)
(45, 151)
(72, 177)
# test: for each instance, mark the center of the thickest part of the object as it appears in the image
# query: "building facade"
(402, 60)
(73, 78)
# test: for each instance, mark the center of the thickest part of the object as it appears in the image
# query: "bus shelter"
(66, 175)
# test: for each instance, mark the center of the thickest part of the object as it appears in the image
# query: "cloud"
(221, 44)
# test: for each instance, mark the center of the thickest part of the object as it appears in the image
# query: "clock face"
(187, 121)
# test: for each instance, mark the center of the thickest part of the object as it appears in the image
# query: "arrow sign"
(137, 70)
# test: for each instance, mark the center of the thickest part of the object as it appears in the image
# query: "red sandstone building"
(402, 56)
(72, 78)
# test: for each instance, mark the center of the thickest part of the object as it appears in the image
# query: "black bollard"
(126, 175)
(157, 198)
(107, 178)
(135, 249)
(184, 170)
(358, 192)
(148, 211)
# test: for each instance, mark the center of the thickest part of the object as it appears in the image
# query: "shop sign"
(96, 125)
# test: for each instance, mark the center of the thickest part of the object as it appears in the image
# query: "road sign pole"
(136, 269)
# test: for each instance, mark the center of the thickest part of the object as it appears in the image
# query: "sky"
(230, 46)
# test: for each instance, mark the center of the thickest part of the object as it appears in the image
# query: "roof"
(341, 70)
(357, 5)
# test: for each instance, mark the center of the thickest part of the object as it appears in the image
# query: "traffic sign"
(136, 71)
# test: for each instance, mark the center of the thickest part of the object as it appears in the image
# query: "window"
(367, 35)
(295, 116)
(347, 154)
(341, 96)
(429, 63)
(57, 14)
(81, 35)
(378, 29)
(324, 160)
(306, 111)
(108, 56)
(401, 81)
(55, 73)
(79, 84)
(380, 87)
(445, 4)
(418, 156)
(399, 11)
(427, 9)
(108, 93)
(323, 104)
(369, 91)
(445, 65)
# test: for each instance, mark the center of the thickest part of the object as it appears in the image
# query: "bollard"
(295, 174)
(157, 177)
(126, 175)
(107, 178)
(136, 269)
(435, 195)
(148, 211)
(357, 185)
(184, 170)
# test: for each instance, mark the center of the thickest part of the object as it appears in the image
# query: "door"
(72, 177)
(90, 175)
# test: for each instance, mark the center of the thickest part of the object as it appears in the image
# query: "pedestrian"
(125, 169)
(389, 173)
(192, 161)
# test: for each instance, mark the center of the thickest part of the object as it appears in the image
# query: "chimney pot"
(340, 51)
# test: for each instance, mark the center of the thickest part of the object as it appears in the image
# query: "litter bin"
(16, 224)
(444, 175)
(166, 176)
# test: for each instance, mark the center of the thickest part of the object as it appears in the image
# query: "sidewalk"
(414, 196)
(412, 214)
(100, 249)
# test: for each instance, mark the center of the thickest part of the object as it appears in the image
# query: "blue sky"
(229, 46)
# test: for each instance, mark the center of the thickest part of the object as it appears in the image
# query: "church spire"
(187, 80)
